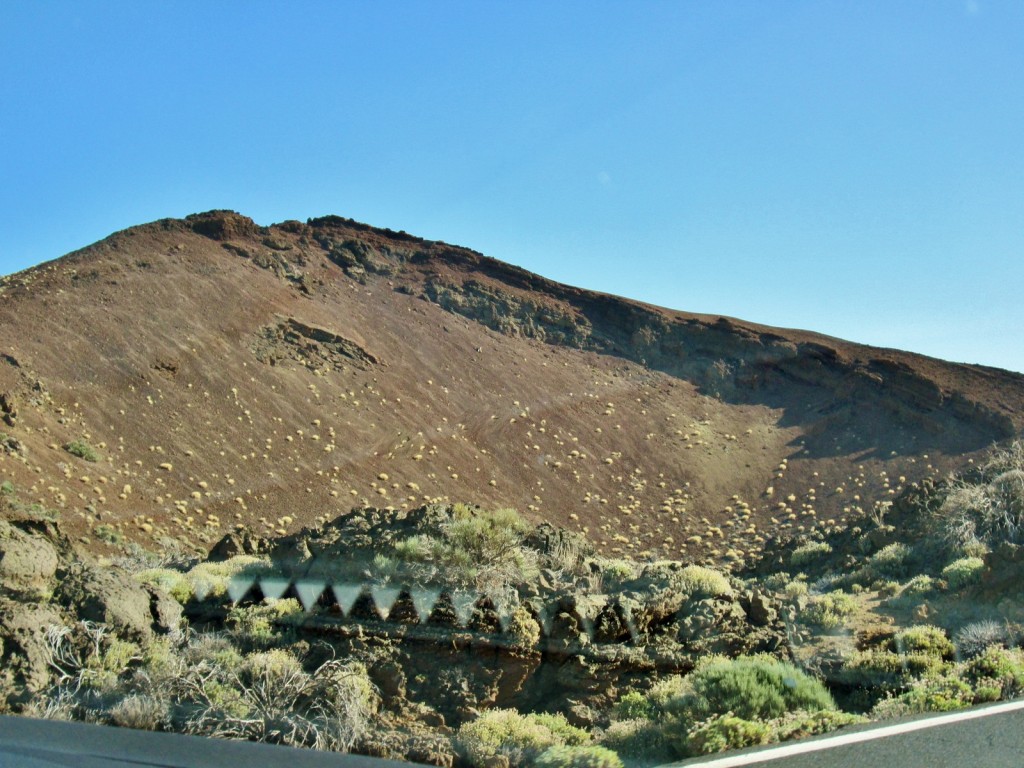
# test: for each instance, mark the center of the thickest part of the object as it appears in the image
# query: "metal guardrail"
(432, 605)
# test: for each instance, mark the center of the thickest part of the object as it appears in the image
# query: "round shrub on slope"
(578, 757)
(890, 562)
(963, 572)
(923, 638)
(699, 581)
(520, 738)
(727, 732)
(809, 553)
(753, 688)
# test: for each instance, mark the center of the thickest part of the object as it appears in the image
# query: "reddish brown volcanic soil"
(227, 373)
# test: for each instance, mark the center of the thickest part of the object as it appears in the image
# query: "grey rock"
(108, 596)
(27, 563)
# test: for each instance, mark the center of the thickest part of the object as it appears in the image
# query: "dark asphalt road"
(26, 743)
(993, 738)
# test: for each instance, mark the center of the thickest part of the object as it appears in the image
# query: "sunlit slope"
(227, 374)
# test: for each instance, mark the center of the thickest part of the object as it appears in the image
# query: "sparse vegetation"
(923, 639)
(752, 688)
(82, 450)
(724, 703)
(987, 507)
(108, 533)
(487, 577)
(205, 687)
(482, 549)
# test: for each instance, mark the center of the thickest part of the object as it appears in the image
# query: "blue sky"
(851, 168)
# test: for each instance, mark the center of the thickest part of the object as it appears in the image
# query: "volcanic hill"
(182, 378)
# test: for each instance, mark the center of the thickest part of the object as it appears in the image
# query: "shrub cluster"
(480, 549)
(724, 703)
(915, 671)
(964, 572)
(988, 506)
(829, 610)
(699, 582)
(890, 562)
(206, 686)
(82, 450)
(809, 553)
(521, 739)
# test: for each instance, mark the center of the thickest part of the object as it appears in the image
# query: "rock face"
(45, 587)
(548, 634)
(114, 599)
(24, 629)
(28, 562)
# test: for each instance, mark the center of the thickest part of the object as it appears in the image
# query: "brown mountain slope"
(230, 374)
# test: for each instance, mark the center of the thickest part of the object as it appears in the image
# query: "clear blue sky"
(855, 168)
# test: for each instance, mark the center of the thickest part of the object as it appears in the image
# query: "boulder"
(25, 660)
(222, 225)
(28, 563)
(166, 612)
(114, 598)
(760, 610)
(243, 542)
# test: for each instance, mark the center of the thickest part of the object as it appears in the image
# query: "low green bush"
(82, 450)
(752, 688)
(669, 689)
(578, 757)
(175, 583)
(829, 610)
(415, 549)
(932, 693)
(260, 626)
(886, 587)
(939, 694)
(800, 724)
(634, 706)
(477, 548)
(519, 738)
(108, 533)
(923, 638)
(699, 582)
(102, 671)
(794, 590)
(724, 732)
(963, 572)
(639, 742)
(880, 672)
(211, 579)
(809, 553)
(890, 562)
(523, 629)
(918, 587)
(998, 668)
(615, 573)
